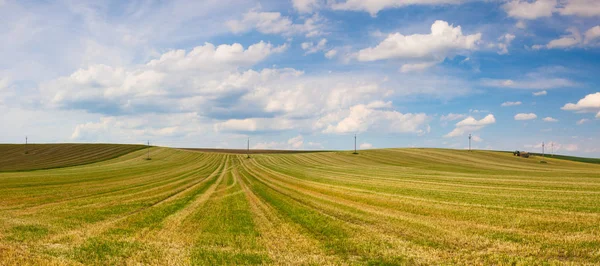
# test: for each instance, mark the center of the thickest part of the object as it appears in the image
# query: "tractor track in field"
(98, 228)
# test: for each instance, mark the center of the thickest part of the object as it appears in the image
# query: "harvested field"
(252, 151)
(16, 157)
(394, 206)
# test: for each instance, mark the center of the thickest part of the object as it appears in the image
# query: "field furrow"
(397, 206)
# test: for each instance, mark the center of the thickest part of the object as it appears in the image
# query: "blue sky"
(303, 74)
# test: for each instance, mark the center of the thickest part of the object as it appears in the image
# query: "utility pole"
(148, 151)
(26, 151)
(552, 148)
(248, 148)
(469, 142)
(355, 144)
(25, 140)
(543, 150)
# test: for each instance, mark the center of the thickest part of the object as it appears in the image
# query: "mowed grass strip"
(393, 206)
(21, 157)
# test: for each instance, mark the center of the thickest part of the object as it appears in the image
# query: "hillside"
(392, 206)
(21, 157)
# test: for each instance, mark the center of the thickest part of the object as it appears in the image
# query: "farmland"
(46, 156)
(392, 206)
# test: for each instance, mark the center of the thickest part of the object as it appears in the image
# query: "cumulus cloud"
(573, 39)
(211, 57)
(525, 116)
(504, 42)
(295, 143)
(255, 125)
(582, 121)
(532, 83)
(476, 138)
(591, 35)
(550, 119)
(527, 9)
(540, 93)
(132, 129)
(311, 47)
(505, 104)
(471, 124)
(444, 41)
(589, 103)
(452, 117)
(524, 9)
(306, 6)
(360, 118)
(366, 146)
(582, 8)
(275, 23)
(374, 6)
(331, 54)
(552, 146)
(567, 41)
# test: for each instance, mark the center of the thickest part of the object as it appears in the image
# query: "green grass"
(570, 158)
(15, 157)
(384, 207)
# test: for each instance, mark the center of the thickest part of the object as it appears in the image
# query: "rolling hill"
(19, 157)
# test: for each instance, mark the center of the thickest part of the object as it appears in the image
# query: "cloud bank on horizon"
(303, 74)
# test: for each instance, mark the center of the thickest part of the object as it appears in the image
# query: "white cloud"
(312, 48)
(534, 83)
(476, 138)
(552, 146)
(275, 23)
(295, 143)
(582, 8)
(550, 119)
(374, 6)
(255, 125)
(598, 115)
(417, 67)
(361, 118)
(524, 116)
(136, 128)
(504, 42)
(592, 34)
(524, 9)
(573, 39)
(306, 6)
(445, 40)
(566, 41)
(211, 57)
(582, 121)
(540, 93)
(505, 104)
(571, 147)
(589, 103)
(366, 146)
(452, 117)
(331, 54)
(471, 124)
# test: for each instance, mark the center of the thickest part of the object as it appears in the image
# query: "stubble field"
(393, 206)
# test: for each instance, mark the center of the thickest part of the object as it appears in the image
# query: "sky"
(303, 74)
